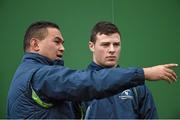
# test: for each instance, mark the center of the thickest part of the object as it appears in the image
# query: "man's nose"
(111, 48)
(62, 48)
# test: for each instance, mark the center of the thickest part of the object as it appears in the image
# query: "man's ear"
(91, 46)
(34, 44)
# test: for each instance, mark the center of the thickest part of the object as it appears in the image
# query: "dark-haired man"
(43, 88)
(133, 103)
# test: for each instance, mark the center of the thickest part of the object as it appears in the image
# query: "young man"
(43, 88)
(132, 103)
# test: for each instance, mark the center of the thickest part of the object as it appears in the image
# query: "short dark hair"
(37, 30)
(103, 27)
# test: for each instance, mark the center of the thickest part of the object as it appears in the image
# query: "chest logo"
(126, 94)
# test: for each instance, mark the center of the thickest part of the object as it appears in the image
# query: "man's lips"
(60, 56)
(111, 57)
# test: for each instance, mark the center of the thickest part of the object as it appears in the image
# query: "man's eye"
(105, 44)
(57, 42)
(116, 44)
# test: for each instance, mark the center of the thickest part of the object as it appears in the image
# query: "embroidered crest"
(126, 94)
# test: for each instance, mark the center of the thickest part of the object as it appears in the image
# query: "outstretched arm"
(161, 72)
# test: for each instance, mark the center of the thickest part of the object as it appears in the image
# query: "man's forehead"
(112, 37)
(107, 34)
(56, 33)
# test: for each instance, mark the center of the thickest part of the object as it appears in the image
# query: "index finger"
(171, 65)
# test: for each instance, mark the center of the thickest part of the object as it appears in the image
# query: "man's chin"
(110, 65)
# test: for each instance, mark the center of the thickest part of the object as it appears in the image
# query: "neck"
(106, 66)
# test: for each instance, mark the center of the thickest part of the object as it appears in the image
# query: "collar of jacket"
(41, 59)
(94, 66)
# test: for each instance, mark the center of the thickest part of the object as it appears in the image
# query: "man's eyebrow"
(60, 39)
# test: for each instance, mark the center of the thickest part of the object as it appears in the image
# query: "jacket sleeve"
(61, 83)
(147, 106)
